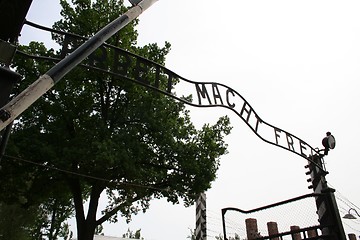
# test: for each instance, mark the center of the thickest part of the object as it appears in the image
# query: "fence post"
(352, 236)
(273, 230)
(295, 236)
(252, 231)
(312, 233)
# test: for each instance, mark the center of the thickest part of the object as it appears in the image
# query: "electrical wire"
(341, 197)
(84, 175)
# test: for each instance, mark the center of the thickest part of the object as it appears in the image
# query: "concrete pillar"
(200, 230)
(295, 236)
(251, 228)
(273, 230)
(352, 236)
(312, 233)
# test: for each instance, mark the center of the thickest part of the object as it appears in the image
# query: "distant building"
(100, 237)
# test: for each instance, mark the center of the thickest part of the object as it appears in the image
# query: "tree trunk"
(53, 220)
(85, 226)
(87, 230)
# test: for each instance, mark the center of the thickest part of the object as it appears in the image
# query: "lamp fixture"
(351, 216)
(328, 142)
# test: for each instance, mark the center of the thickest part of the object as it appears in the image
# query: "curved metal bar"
(219, 90)
(224, 210)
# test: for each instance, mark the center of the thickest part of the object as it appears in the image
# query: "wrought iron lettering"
(124, 64)
(202, 92)
(228, 91)
(132, 67)
(212, 94)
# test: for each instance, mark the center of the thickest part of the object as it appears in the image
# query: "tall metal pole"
(21, 102)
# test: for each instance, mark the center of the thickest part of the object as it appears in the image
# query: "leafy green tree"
(221, 237)
(47, 221)
(131, 234)
(51, 220)
(99, 229)
(192, 235)
(97, 133)
(14, 225)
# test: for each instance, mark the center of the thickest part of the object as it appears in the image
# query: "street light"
(328, 142)
(350, 216)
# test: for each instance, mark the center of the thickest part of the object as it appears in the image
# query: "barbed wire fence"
(301, 213)
(344, 206)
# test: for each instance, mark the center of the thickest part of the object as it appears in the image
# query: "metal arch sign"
(207, 94)
(215, 94)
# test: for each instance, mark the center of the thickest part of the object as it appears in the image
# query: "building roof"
(100, 237)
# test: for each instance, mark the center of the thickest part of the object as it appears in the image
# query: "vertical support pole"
(223, 212)
(200, 230)
(332, 216)
(327, 210)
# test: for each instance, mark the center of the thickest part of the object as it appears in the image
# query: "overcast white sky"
(296, 63)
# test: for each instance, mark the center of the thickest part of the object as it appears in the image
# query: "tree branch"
(75, 188)
(113, 212)
(94, 202)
